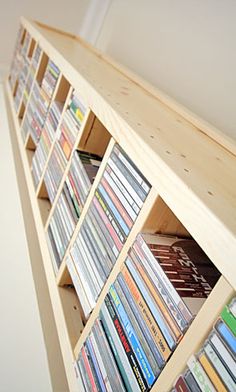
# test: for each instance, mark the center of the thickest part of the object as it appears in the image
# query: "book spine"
(121, 197)
(117, 181)
(125, 183)
(157, 299)
(100, 362)
(169, 287)
(83, 372)
(110, 228)
(97, 370)
(141, 322)
(223, 353)
(117, 203)
(95, 260)
(211, 373)
(180, 385)
(116, 220)
(147, 315)
(132, 168)
(200, 376)
(88, 370)
(219, 367)
(152, 306)
(98, 241)
(137, 329)
(109, 203)
(227, 336)
(103, 233)
(138, 190)
(133, 362)
(118, 350)
(176, 314)
(191, 382)
(84, 275)
(229, 319)
(107, 357)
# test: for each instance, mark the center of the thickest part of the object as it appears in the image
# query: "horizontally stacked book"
(213, 368)
(113, 210)
(161, 287)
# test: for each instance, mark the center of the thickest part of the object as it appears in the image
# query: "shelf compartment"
(72, 314)
(29, 143)
(92, 130)
(31, 48)
(44, 208)
(161, 220)
(42, 68)
(62, 275)
(138, 225)
(48, 136)
(95, 139)
(195, 336)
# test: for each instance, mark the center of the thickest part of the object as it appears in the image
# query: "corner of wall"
(93, 20)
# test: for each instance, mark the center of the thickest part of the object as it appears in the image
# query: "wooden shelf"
(177, 149)
(191, 167)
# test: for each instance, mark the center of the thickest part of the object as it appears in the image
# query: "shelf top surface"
(194, 174)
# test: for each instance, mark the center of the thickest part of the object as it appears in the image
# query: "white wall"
(23, 363)
(187, 48)
(66, 15)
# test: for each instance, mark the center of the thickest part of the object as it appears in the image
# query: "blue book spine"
(138, 350)
(227, 336)
(150, 302)
(157, 355)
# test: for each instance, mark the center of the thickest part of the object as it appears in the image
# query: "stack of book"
(45, 142)
(109, 219)
(149, 307)
(22, 78)
(55, 170)
(50, 78)
(13, 66)
(71, 124)
(25, 46)
(96, 357)
(82, 172)
(30, 119)
(62, 225)
(83, 169)
(32, 71)
(39, 103)
(23, 66)
(214, 367)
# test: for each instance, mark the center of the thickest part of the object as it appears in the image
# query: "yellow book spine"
(212, 374)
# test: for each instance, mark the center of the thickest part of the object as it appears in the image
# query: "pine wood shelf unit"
(191, 167)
